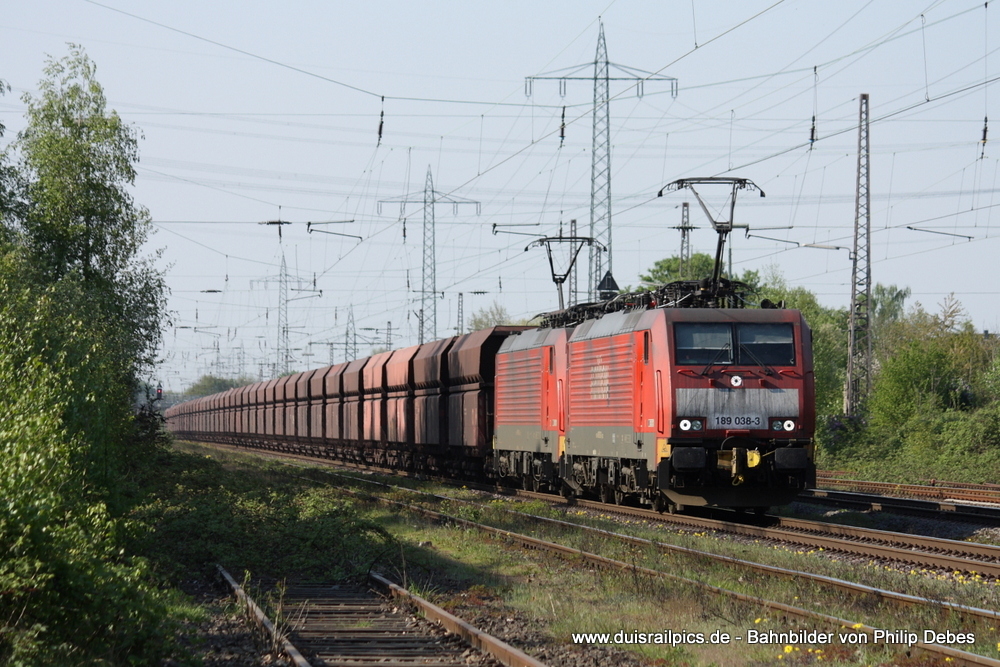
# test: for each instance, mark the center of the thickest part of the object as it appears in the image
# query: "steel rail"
(963, 657)
(278, 637)
(934, 509)
(787, 530)
(836, 538)
(787, 573)
(945, 491)
(501, 651)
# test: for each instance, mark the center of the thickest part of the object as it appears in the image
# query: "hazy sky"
(254, 110)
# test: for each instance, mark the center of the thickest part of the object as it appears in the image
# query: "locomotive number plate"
(736, 421)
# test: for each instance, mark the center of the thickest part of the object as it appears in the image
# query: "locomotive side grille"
(602, 375)
(519, 394)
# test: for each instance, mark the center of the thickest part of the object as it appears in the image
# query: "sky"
(254, 111)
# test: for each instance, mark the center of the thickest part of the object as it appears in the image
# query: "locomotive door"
(644, 409)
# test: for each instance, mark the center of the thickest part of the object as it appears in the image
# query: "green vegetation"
(465, 571)
(248, 514)
(934, 409)
(98, 520)
(698, 267)
(80, 320)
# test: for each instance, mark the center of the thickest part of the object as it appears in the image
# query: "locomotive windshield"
(701, 343)
(769, 344)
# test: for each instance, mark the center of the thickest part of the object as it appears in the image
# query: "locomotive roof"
(527, 340)
(621, 322)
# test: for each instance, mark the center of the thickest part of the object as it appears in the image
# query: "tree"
(667, 270)
(76, 235)
(78, 159)
(207, 385)
(699, 267)
(489, 316)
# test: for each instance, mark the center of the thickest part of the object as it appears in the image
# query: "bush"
(68, 595)
(198, 512)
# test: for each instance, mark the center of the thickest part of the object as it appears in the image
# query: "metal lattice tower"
(428, 292)
(600, 170)
(350, 337)
(283, 361)
(284, 355)
(460, 329)
(859, 357)
(685, 256)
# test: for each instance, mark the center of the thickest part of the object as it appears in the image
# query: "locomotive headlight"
(789, 425)
(776, 425)
(691, 424)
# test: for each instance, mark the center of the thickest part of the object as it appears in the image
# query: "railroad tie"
(348, 626)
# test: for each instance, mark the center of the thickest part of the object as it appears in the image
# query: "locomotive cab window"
(703, 343)
(768, 344)
(700, 343)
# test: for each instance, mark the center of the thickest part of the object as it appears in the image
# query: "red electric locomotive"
(671, 406)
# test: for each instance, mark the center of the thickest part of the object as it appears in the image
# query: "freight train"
(678, 396)
(666, 406)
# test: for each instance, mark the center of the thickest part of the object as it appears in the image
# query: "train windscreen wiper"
(718, 354)
(767, 369)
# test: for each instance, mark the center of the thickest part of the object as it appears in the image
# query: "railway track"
(350, 626)
(920, 551)
(968, 612)
(871, 594)
(946, 492)
(932, 509)
(950, 654)
(932, 552)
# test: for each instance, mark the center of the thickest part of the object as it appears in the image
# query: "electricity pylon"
(428, 293)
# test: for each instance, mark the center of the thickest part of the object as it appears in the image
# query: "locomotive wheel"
(530, 483)
(619, 496)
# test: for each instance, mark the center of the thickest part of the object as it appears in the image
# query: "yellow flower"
(757, 620)
(856, 626)
(788, 649)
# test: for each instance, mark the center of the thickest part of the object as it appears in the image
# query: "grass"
(969, 590)
(561, 598)
(201, 509)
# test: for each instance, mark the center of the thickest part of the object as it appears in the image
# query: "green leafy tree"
(79, 232)
(78, 159)
(829, 338)
(80, 316)
(207, 385)
(491, 316)
(668, 270)
(699, 267)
